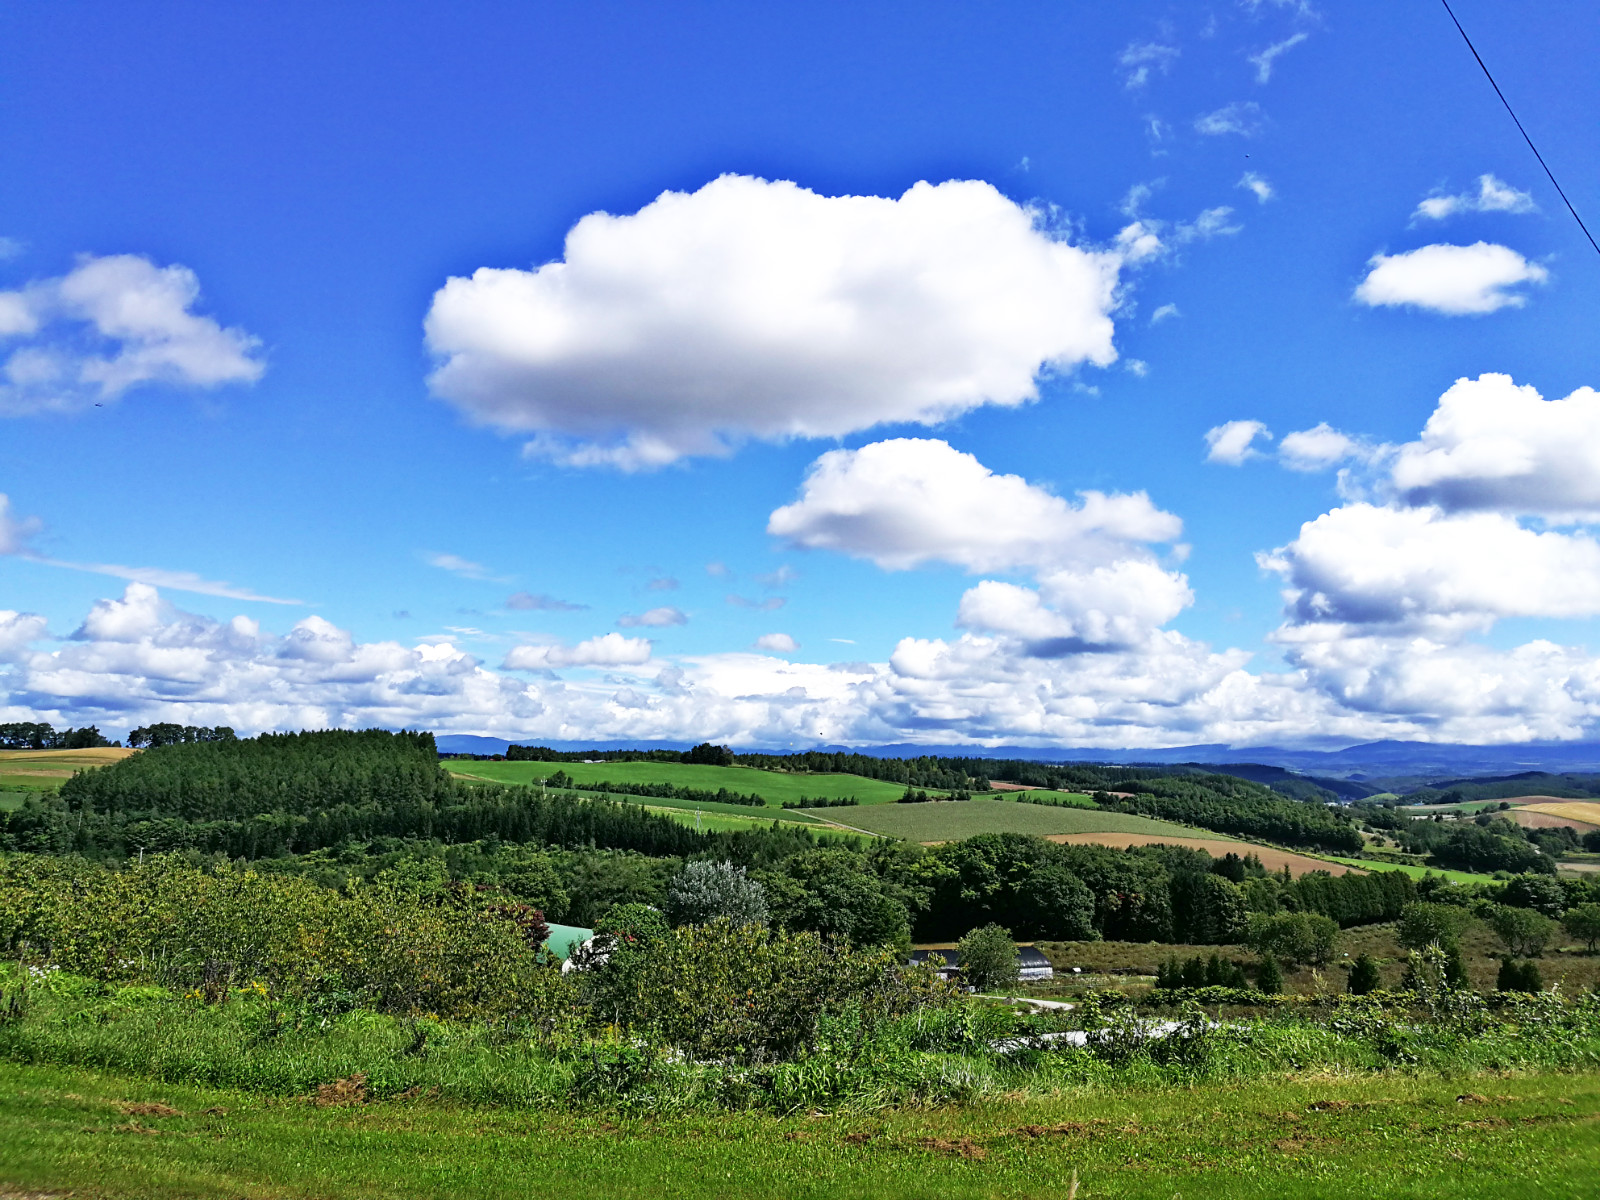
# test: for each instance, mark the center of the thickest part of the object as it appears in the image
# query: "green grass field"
(1370, 864)
(1330, 1137)
(774, 786)
(950, 821)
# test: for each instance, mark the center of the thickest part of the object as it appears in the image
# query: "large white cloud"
(762, 309)
(1370, 564)
(909, 501)
(1454, 280)
(1496, 446)
(111, 324)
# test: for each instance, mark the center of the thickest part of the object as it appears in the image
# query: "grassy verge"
(1535, 1135)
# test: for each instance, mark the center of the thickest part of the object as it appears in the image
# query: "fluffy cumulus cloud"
(1493, 195)
(1369, 564)
(1233, 442)
(1256, 186)
(607, 650)
(1318, 448)
(910, 501)
(777, 643)
(109, 325)
(1453, 280)
(757, 309)
(1383, 599)
(1491, 445)
(139, 659)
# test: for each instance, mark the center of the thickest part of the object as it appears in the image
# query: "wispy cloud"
(463, 567)
(1256, 186)
(769, 604)
(1163, 313)
(1493, 195)
(1139, 59)
(181, 581)
(1264, 60)
(16, 540)
(539, 602)
(1242, 117)
(663, 583)
(782, 577)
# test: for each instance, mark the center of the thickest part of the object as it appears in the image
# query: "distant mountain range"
(1389, 760)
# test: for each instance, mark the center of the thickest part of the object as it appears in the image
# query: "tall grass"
(953, 1055)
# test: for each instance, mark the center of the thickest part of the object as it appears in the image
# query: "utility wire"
(1520, 129)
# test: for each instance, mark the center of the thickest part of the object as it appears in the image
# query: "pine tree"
(1269, 976)
(1364, 976)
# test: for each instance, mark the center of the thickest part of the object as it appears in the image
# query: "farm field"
(951, 820)
(1337, 1138)
(774, 786)
(1271, 857)
(1577, 813)
(47, 770)
(1414, 871)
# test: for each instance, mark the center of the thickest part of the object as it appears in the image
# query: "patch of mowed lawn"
(951, 820)
(1355, 1137)
(774, 786)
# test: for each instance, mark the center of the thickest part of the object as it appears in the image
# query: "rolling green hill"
(774, 786)
(946, 822)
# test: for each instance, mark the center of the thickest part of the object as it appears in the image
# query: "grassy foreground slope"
(1360, 1138)
(774, 786)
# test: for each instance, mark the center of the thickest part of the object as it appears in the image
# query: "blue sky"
(228, 228)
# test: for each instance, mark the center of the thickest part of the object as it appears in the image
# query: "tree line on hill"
(659, 791)
(33, 735)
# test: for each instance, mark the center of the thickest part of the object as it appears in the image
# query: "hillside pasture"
(949, 821)
(773, 786)
(1415, 872)
(1271, 857)
(47, 770)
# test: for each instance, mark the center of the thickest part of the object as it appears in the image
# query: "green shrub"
(1364, 975)
(1269, 976)
(989, 958)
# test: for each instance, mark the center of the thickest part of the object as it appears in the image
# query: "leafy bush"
(707, 891)
(989, 958)
(1294, 937)
(739, 991)
(1523, 931)
(1582, 921)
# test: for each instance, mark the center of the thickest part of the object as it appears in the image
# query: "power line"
(1520, 129)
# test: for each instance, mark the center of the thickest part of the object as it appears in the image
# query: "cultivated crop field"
(46, 770)
(773, 786)
(1410, 869)
(949, 821)
(1581, 814)
(1334, 1137)
(1271, 857)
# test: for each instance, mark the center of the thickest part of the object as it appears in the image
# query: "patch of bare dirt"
(352, 1089)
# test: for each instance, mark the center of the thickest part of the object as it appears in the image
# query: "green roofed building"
(564, 939)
